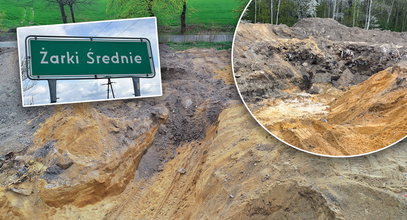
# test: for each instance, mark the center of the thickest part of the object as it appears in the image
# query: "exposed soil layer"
(324, 87)
(112, 160)
(65, 151)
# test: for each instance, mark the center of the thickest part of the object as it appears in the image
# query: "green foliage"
(14, 13)
(127, 8)
(202, 13)
(28, 12)
(287, 14)
(209, 12)
(214, 11)
(386, 14)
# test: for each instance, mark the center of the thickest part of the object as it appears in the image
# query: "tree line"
(129, 8)
(368, 14)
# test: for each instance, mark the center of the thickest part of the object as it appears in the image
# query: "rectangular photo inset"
(90, 61)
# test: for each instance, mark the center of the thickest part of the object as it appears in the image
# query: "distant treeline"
(368, 14)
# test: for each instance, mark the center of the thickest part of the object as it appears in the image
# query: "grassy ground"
(92, 12)
(28, 12)
(208, 13)
(185, 46)
(14, 13)
(204, 14)
(214, 12)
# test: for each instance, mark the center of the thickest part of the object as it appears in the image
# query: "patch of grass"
(211, 13)
(27, 12)
(198, 29)
(189, 45)
(46, 13)
(14, 13)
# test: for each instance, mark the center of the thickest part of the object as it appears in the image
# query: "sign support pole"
(136, 86)
(52, 84)
(109, 85)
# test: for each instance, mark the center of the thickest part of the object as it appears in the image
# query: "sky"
(69, 91)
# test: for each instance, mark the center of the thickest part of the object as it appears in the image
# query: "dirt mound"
(279, 58)
(87, 162)
(334, 31)
(314, 88)
(370, 115)
(254, 176)
(93, 150)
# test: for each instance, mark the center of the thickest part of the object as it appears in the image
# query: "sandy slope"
(369, 116)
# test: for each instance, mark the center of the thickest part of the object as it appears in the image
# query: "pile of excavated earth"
(325, 87)
(195, 153)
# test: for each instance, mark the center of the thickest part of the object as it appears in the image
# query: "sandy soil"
(314, 88)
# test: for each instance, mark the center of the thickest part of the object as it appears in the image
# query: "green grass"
(14, 13)
(185, 46)
(51, 15)
(28, 12)
(204, 14)
(213, 12)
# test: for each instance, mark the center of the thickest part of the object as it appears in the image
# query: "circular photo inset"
(326, 79)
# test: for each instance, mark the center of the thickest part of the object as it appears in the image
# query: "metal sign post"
(109, 87)
(73, 58)
(136, 86)
(52, 84)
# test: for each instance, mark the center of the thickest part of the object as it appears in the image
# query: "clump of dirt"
(299, 83)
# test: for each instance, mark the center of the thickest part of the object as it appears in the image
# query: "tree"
(150, 7)
(369, 14)
(255, 11)
(382, 14)
(184, 17)
(333, 9)
(61, 4)
(271, 11)
(278, 11)
(390, 10)
(131, 8)
(306, 8)
(70, 4)
(355, 6)
(312, 8)
(176, 6)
